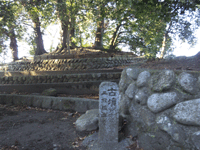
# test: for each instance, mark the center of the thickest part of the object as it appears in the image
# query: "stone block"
(9, 99)
(17, 100)
(57, 104)
(37, 101)
(2, 98)
(108, 116)
(88, 121)
(27, 100)
(47, 103)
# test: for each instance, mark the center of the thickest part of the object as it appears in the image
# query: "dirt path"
(38, 129)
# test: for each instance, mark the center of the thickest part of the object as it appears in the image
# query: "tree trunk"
(164, 47)
(36, 21)
(68, 39)
(64, 35)
(114, 38)
(99, 35)
(38, 37)
(72, 26)
(64, 18)
(13, 45)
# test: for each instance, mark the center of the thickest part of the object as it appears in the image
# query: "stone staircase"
(73, 76)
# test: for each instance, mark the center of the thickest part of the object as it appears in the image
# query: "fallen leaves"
(78, 141)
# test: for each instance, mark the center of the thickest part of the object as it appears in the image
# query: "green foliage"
(146, 26)
(87, 44)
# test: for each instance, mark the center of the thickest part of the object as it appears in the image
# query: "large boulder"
(160, 102)
(88, 121)
(124, 105)
(165, 124)
(124, 81)
(163, 81)
(153, 140)
(131, 90)
(142, 95)
(143, 78)
(187, 82)
(195, 139)
(132, 73)
(188, 112)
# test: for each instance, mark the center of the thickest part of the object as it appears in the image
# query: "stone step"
(48, 102)
(70, 88)
(60, 78)
(42, 73)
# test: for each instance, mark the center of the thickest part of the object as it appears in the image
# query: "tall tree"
(33, 7)
(99, 10)
(9, 28)
(64, 19)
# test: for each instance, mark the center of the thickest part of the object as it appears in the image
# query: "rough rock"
(146, 116)
(195, 139)
(188, 112)
(131, 90)
(124, 81)
(142, 95)
(131, 126)
(159, 102)
(50, 92)
(140, 115)
(88, 121)
(187, 82)
(163, 81)
(173, 130)
(91, 142)
(124, 104)
(132, 73)
(143, 78)
(154, 140)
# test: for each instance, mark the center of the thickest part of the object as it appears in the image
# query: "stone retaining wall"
(69, 88)
(71, 64)
(61, 78)
(162, 108)
(57, 103)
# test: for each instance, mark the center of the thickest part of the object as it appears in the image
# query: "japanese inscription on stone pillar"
(108, 115)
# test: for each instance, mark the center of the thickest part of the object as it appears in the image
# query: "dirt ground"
(38, 129)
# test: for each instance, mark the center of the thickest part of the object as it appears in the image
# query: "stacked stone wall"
(71, 64)
(84, 77)
(162, 108)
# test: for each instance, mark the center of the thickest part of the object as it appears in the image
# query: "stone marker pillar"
(108, 116)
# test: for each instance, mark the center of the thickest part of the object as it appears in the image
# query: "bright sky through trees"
(182, 49)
